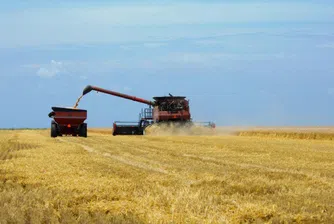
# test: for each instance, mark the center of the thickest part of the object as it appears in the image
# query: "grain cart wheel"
(83, 130)
(54, 132)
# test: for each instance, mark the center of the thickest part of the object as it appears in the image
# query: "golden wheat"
(164, 179)
(291, 133)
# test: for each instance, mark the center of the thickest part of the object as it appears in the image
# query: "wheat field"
(165, 179)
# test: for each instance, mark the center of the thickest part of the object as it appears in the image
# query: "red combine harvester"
(68, 121)
(166, 109)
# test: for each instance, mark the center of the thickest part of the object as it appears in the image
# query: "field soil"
(222, 178)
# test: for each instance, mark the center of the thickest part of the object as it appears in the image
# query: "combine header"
(165, 109)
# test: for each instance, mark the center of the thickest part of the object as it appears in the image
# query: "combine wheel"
(83, 130)
(54, 132)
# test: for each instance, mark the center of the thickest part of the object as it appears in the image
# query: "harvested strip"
(135, 164)
(121, 159)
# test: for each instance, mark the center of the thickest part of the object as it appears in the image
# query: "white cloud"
(127, 89)
(210, 42)
(31, 66)
(330, 91)
(81, 68)
(51, 70)
(110, 63)
(89, 68)
(217, 58)
(328, 45)
(182, 13)
(129, 47)
(121, 23)
(154, 45)
(126, 47)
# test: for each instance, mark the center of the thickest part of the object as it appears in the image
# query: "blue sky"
(239, 63)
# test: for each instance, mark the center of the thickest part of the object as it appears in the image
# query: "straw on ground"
(164, 179)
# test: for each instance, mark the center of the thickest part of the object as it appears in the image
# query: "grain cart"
(68, 121)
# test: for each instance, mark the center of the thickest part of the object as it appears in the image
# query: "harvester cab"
(171, 109)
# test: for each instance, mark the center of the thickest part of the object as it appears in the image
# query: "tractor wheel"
(83, 130)
(54, 133)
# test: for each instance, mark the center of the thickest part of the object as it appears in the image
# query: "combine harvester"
(163, 110)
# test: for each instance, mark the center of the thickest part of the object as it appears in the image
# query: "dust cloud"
(189, 130)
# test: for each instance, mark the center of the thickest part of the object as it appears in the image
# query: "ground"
(164, 179)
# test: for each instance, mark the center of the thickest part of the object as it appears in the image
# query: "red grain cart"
(68, 121)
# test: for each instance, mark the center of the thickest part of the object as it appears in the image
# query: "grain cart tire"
(54, 132)
(83, 130)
